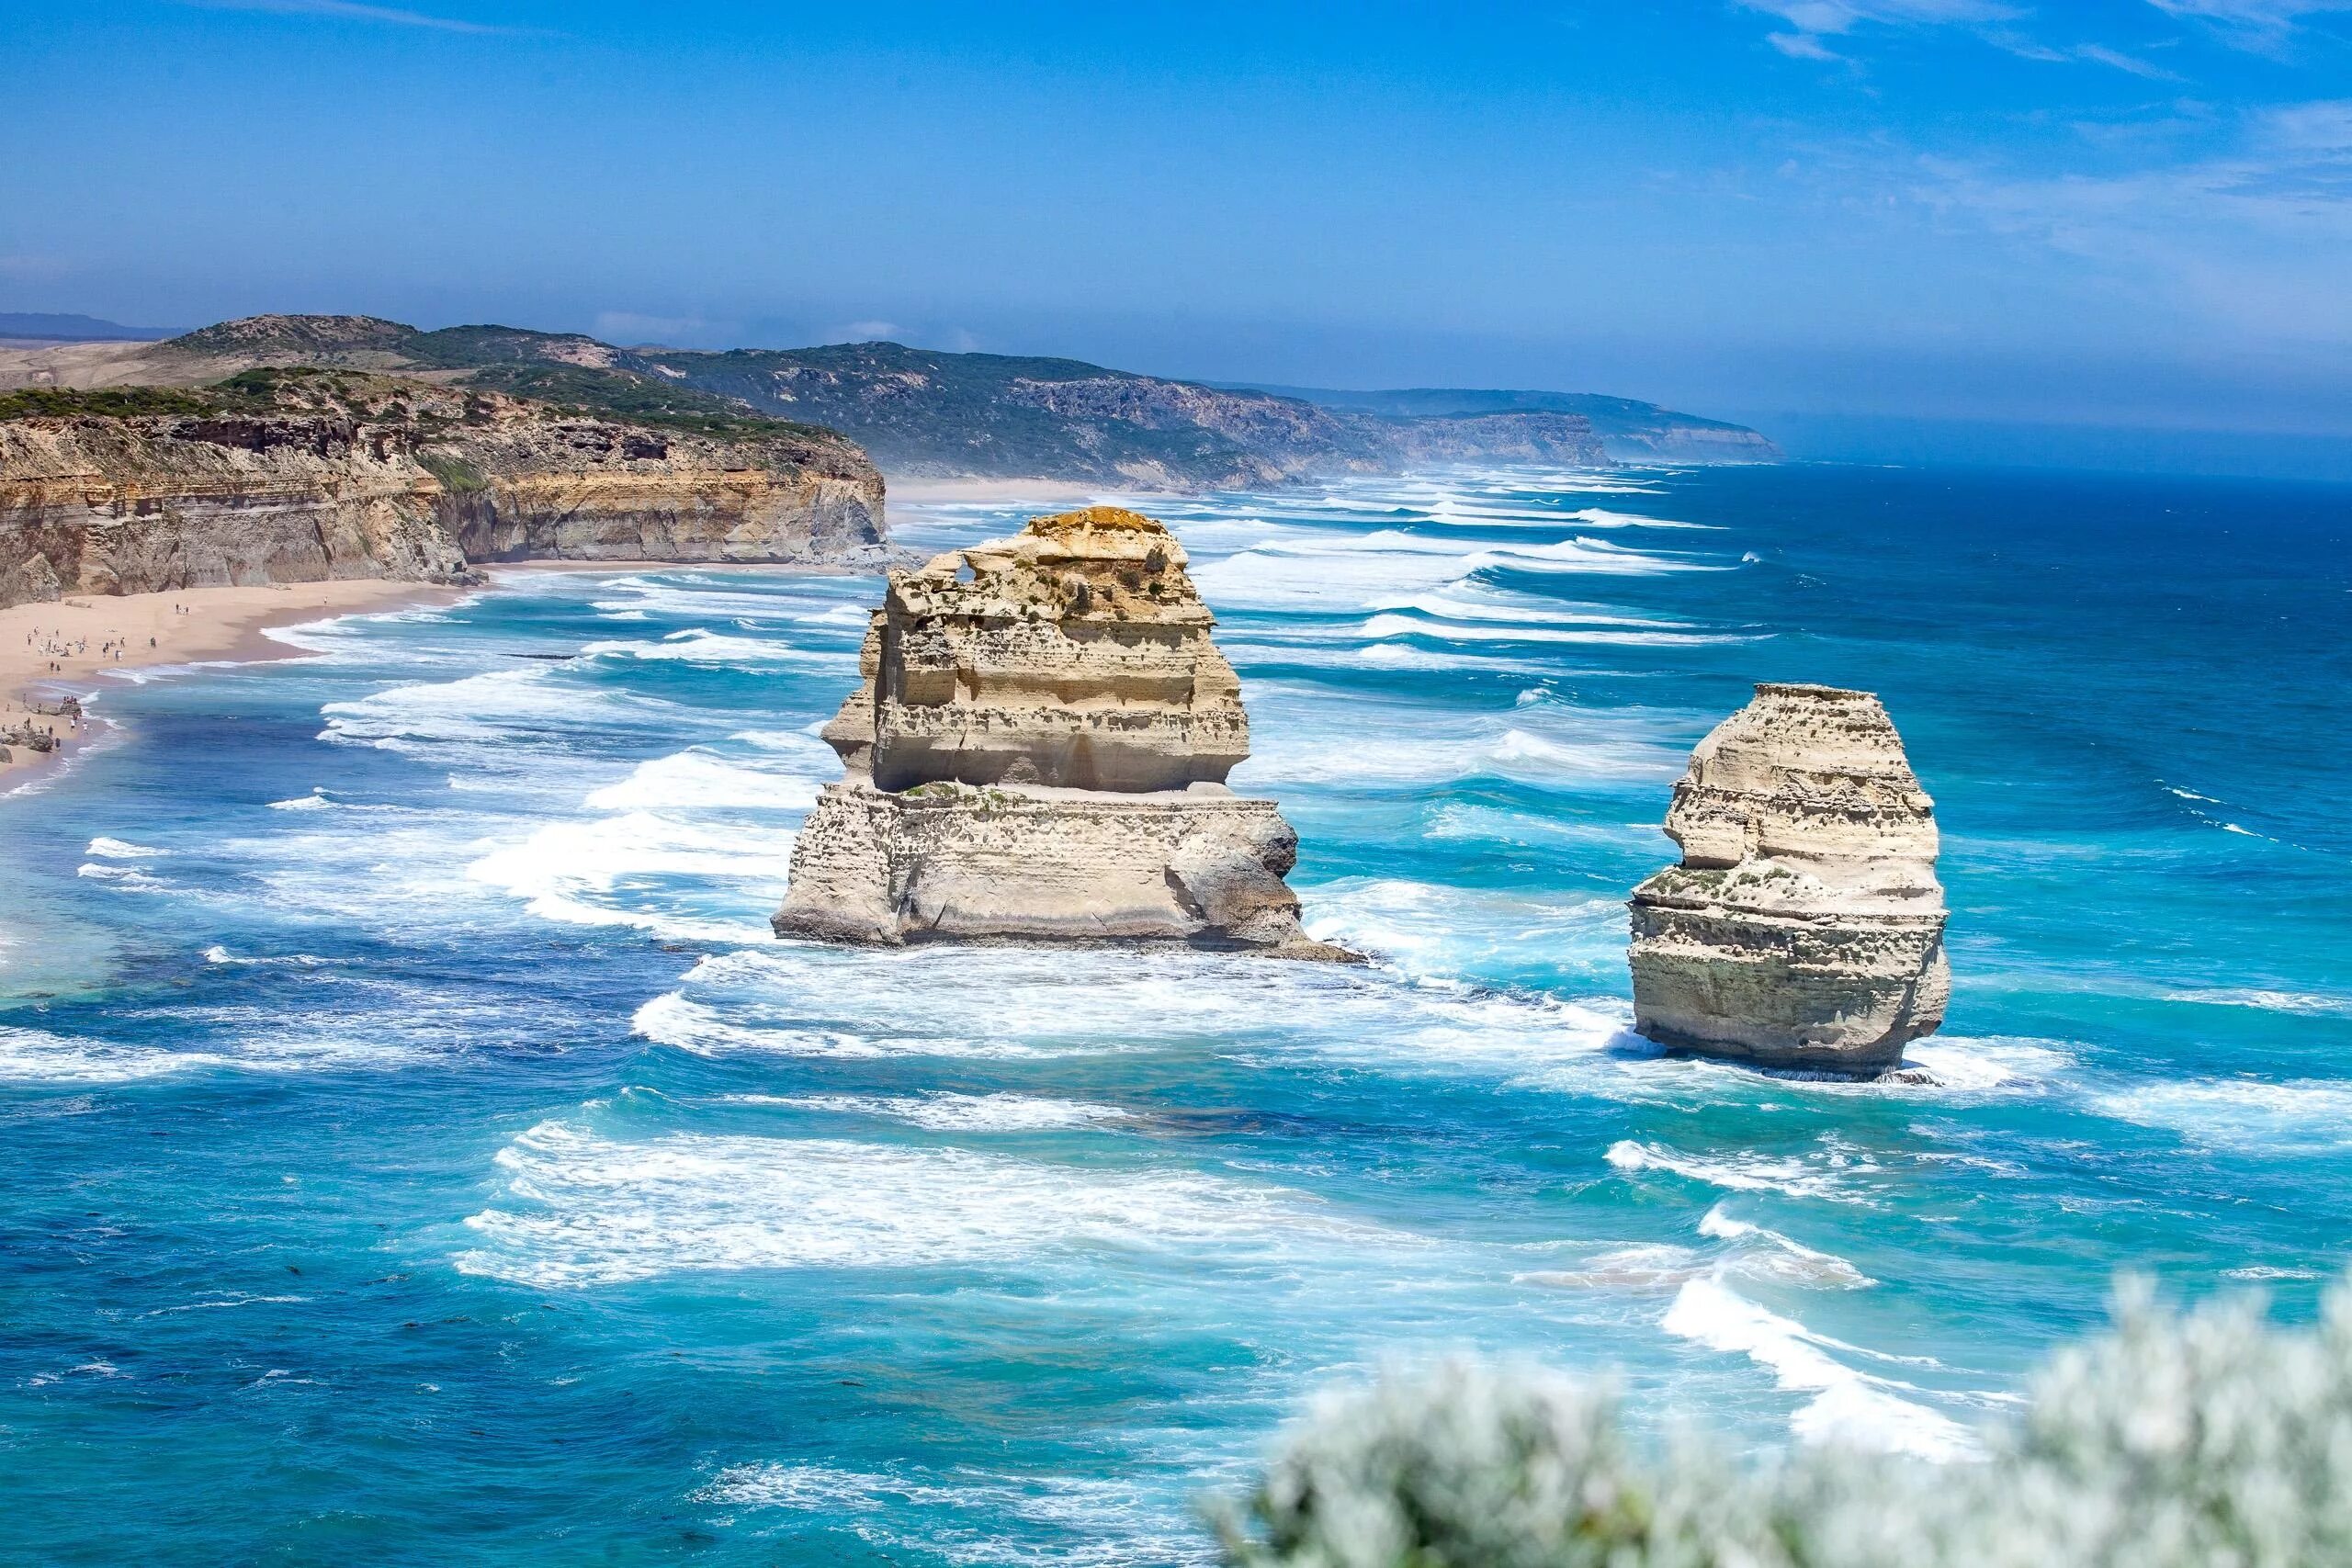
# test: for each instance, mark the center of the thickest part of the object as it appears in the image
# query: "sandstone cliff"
(296, 476)
(1804, 926)
(927, 413)
(1039, 750)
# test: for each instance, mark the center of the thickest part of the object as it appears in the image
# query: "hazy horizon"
(1883, 226)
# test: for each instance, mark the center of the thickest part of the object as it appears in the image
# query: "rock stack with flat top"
(1805, 927)
(1038, 751)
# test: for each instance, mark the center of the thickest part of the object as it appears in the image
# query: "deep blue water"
(417, 1151)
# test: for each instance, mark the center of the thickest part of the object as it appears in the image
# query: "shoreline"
(215, 624)
(55, 651)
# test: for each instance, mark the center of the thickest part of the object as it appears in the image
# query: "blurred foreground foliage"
(2205, 1439)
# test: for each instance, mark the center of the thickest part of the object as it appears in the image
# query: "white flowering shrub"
(2209, 1440)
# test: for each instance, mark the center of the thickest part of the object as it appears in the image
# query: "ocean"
(417, 1149)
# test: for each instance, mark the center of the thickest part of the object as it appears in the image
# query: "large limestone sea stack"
(1805, 927)
(1038, 752)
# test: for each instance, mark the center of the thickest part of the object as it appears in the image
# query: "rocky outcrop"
(1038, 751)
(290, 477)
(1805, 927)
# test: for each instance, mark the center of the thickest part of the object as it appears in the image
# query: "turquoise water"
(416, 1149)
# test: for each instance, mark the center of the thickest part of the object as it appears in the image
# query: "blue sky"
(1945, 212)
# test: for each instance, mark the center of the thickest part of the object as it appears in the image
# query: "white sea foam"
(1047, 1003)
(593, 873)
(217, 953)
(1491, 606)
(590, 1210)
(2305, 1115)
(1428, 929)
(674, 1019)
(317, 800)
(128, 878)
(697, 645)
(1110, 1523)
(1848, 1405)
(1600, 517)
(120, 849)
(1780, 1257)
(1745, 1251)
(1340, 571)
(35, 1055)
(2308, 1003)
(1395, 625)
(1493, 824)
(1498, 746)
(698, 778)
(2263, 1273)
(1829, 1176)
(958, 1112)
(492, 720)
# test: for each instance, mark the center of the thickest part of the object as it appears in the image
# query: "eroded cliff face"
(1804, 926)
(517, 486)
(284, 477)
(94, 505)
(1038, 751)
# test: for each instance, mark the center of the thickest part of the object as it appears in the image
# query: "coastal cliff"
(932, 414)
(1038, 751)
(1804, 925)
(300, 476)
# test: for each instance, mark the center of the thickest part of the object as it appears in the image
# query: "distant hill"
(920, 413)
(37, 326)
(1631, 431)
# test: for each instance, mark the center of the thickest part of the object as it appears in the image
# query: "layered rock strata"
(1804, 926)
(298, 476)
(1038, 752)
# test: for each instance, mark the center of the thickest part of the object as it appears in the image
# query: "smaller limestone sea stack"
(1038, 752)
(1805, 927)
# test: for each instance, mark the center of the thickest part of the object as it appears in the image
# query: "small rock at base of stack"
(1038, 752)
(1805, 927)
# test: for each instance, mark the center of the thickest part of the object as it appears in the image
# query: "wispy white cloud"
(1997, 24)
(2260, 24)
(2250, 241)
(1800, 46)
(352, 11)
(1813, 20)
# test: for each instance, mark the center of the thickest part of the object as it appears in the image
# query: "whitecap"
(316, 800)
(2305, 1115)
(1848, 1405)
(958, 1112)
(595, 873)
(35, 1055)
(590, 1210)
(130, 878)
(120, 849)
(1109, 1524)
(704, 779)
(697, 645)
(2266, 1272)
(1828, 1176)
(674, 1019)
(2308, 1003)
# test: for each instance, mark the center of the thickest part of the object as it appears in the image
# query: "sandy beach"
(52, 652)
